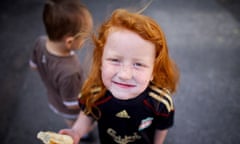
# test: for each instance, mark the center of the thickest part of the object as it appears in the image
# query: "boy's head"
(63, 18)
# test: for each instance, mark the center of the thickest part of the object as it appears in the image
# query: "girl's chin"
(121, 98)
(123, 95)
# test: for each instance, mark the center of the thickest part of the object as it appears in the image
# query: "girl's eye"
(114, 60)
(138, 65)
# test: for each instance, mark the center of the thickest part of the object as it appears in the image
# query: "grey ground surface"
(203, 38)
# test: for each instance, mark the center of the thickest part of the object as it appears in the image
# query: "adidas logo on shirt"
(122, 114)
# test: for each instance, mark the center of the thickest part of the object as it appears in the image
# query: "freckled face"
(127, 63)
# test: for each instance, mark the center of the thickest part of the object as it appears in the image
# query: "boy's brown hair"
(65, 18)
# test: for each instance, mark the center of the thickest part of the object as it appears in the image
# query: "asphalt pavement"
(203, 38)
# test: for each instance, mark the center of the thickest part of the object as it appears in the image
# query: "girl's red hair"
(165, 73)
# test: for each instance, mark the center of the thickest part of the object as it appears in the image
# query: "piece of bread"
(54, 138)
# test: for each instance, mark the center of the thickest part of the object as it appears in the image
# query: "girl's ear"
(68, 42)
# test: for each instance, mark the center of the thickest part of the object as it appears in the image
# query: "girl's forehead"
(125, 36)
(117, 29)
(121, 33)
(128, 44)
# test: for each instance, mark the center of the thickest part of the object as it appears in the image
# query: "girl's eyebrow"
(138, 59)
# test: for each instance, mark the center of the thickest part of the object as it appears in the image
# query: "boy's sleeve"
(33, 57)
(70, 88)
(32, 62)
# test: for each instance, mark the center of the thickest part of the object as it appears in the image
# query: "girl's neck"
(57, 48)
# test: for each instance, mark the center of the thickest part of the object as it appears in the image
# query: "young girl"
(128, 90)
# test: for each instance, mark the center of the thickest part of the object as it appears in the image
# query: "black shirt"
(134, 121)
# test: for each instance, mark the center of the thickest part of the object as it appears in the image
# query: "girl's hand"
(75, 136)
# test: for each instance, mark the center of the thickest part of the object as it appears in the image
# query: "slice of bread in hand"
(54, 138)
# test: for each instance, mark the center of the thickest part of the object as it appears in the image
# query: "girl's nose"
(125, 72)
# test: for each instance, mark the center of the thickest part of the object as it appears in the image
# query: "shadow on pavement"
(232, 6)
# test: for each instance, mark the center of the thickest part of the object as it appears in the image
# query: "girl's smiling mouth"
(123, 85)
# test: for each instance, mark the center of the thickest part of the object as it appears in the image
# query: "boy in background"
(67, 24)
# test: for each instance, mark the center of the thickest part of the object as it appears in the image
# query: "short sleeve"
(70, 88)
(164, 118)
(36, 54)
(162, 103)
(33, 56)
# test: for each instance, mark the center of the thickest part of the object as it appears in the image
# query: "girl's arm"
(160, 136)
(80, 128)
